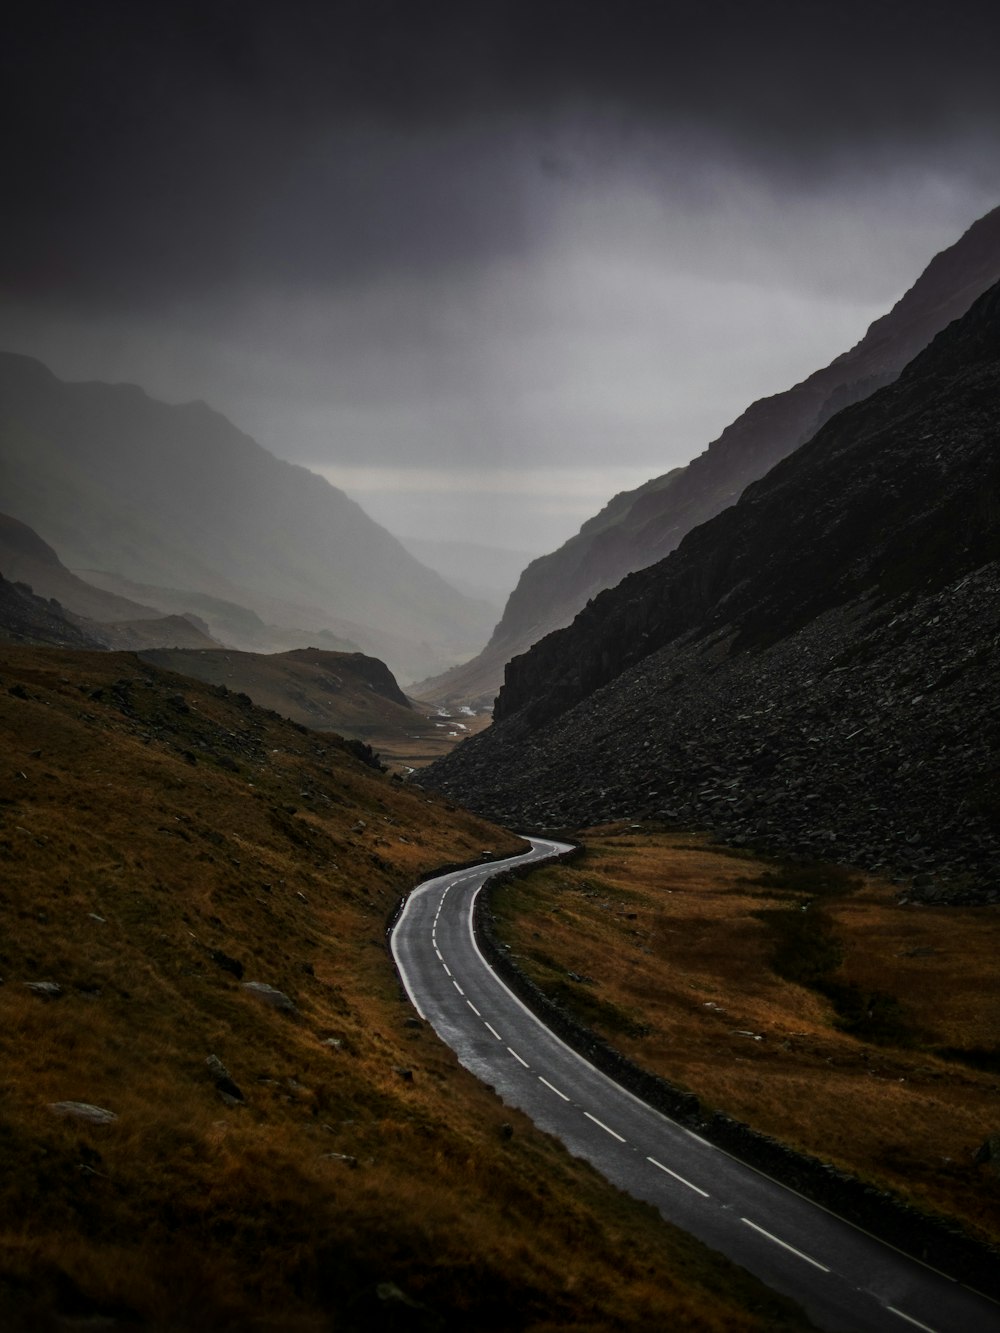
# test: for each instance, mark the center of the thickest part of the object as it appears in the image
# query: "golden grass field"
(157, 836)
(676, 939)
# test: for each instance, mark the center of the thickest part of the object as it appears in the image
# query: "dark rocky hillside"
(815, 669)
(640, 527)
(27, 618)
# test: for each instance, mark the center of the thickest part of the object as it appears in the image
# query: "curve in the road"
(845, 1279)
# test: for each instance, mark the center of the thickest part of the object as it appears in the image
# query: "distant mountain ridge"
(639, 527)
(25, 556)
(814, 669)
(178, 497)
(44, 603)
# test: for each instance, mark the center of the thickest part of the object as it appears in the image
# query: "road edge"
(932, 1240)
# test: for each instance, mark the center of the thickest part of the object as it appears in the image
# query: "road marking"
(446, 967)
(493, 1030)
(438, 952)
(785, 1246)
(457, 986)
(910, 1319)
(473, 1008)
(552, 1088)
(604, 1126)
(704, 1193)
(517, 1057)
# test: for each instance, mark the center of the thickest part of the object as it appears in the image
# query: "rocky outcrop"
(814, 670)
(638, 528)
(373, 673)
(27, 618)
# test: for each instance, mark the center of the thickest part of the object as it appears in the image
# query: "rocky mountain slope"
(29, 619)
(45, 603)
(229, 623)
(814, 669)
(638, 528)
(177, 497)
(25, 557)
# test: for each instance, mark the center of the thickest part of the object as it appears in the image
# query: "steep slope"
(103, 619)
(178, 497)
(638, 528)
(229, 623)
(28, 558)
(815, 667)
(182, 633)
(192, 922)
(27, 618)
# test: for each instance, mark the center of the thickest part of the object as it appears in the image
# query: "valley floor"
(802, 1000)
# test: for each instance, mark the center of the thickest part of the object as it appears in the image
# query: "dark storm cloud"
(159, 149)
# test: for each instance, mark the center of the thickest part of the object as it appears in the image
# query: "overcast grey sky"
(482, 264)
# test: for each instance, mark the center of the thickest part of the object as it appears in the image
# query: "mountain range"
(638, 528)
(177, 503)
(812, 670)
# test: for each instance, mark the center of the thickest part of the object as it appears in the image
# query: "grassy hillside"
(349, 693)
(783, 994)
(322, 1164)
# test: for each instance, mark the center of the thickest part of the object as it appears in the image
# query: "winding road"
(846, 1280)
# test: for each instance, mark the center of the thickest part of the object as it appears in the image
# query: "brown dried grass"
(123, 867)
(668, 930)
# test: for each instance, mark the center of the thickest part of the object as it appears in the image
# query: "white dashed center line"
(785, 1246)
(457, 986)
(473, 1008)
(910, 1319)
(704, 1193)
(604, 1126)
(552, 1088)
(493, 1030)
(517, 1057)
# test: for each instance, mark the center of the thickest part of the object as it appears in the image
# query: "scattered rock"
(270, 995)
(93, 1115)
(344, 1157)
(230, 1093)
(45, 990)
(405, 1074)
